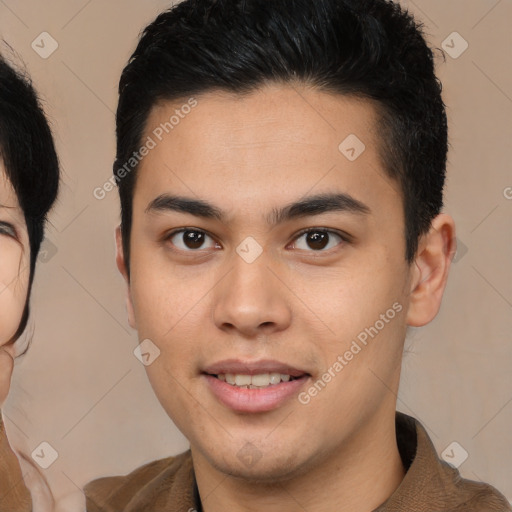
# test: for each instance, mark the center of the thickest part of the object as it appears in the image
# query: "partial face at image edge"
(14, 276)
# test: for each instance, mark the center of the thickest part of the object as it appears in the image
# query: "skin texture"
(294, 304)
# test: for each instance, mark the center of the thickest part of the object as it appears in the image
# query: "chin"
(250, 464)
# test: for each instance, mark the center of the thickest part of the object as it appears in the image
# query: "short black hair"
(30, 161)
(370, 49)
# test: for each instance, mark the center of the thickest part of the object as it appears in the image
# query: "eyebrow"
(309, 206)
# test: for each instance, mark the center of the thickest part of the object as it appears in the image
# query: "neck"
(358, 476)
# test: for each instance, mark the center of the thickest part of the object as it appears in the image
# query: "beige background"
(81, 389)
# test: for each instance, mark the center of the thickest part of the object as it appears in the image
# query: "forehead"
(281, 117)
(280, 140)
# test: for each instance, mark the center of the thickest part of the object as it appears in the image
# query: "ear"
(121, 265)
(6, 367)
(436, 250)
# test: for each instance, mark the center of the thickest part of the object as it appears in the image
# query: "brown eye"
(317, 240)
(191, 239)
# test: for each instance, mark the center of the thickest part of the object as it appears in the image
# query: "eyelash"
(344, 237)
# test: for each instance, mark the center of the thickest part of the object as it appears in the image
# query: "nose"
(251, 300)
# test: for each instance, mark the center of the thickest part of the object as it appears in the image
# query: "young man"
(281, 168)
(29, 179)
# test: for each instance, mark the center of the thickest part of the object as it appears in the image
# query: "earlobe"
(6, 368)
(430, 273)
(121, 265)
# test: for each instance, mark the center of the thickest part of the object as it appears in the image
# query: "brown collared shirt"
(430, 484)
(14, 496)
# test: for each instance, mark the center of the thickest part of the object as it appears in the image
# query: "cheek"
(366, 310)
(354, 298)
(13, 288)
(166, 298)
(12, 303)
(171, 313)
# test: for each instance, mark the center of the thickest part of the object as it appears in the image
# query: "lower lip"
(254, 400)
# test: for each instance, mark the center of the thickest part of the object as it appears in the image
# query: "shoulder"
(143, 484)
(430, 483)
(14, 496)
(459, 494)
(477, 496)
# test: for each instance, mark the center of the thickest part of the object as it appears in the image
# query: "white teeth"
(243, 380)
(275, 378)
(261, 380)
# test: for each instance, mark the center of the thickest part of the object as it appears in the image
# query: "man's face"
(14, 274)
(247, 293)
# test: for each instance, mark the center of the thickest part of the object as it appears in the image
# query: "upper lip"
(238, 367)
